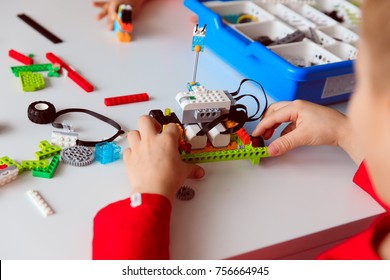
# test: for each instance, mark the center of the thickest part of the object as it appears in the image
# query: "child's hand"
(310, 125)
(153, 161)
(109, 9)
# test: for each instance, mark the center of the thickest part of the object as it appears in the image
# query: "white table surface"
(282, 208)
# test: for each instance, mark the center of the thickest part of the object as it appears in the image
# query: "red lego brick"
(125, 99)
(244, 136)
(3, 166)
(20, 57)
(73, 75)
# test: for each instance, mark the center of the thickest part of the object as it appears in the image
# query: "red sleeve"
(362, 179)
(125, 232)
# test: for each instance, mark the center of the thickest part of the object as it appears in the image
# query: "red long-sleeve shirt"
(122, 231)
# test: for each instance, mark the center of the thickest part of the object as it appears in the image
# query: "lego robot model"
(123, 24)
(212, 121)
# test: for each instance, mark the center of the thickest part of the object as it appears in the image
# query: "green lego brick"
(31, 81)
(247, 152)
(31, 68)
(47, 150)
(49, 171)
(6, 160)
(31, 164)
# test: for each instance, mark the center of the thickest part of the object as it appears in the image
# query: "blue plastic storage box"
(253, 37)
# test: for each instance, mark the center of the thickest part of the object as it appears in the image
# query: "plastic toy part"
(49, 171)
(125, 99)
(64, 139)
(77, 156)
(20, 57)
(40, 28)
(31, 68)
(8, 174)
(47, 150)
(123, 23)
(243, 136)
(31, 164)
(40, 203)
(73, 75)
(185, 193)
(7, 161)
(31, 81)
(41, 112)
(107, 152)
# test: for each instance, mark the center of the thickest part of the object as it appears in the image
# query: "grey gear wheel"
(185, 193)
(77, 156)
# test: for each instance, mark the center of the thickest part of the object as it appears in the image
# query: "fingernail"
(199, 173)
(273, 150)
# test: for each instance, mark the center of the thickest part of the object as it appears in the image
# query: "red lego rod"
(20, 57)
(73, 75)
(125, 99)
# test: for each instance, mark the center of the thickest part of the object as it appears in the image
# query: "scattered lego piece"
(40, 28)
(20, 57)
(77, 156)
(107, 152)
(31, 164)
(6, 160)
(185, 193)
(31, 81)
(64, 139)
(8, 174)
(73, 75)
(41, 112)
(125, 99)
(49, 171)
(296, 36)
(31, 68)
(40, 202)
(47, 150)
(123, 23)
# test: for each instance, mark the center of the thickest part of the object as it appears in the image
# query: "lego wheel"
(41, 112)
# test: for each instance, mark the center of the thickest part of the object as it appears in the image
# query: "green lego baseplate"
(31, 68)
(31, 81)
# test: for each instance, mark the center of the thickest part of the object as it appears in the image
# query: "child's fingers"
(99, 4)
(285, 143)
(173, 130)
(274, 119)
(194, 171)
(133, 137)
(147, 126)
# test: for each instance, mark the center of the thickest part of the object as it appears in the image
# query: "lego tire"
(41, 112)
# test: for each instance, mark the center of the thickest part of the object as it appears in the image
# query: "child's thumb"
(195, 171)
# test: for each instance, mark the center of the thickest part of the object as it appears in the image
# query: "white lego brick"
(203, 100)
(197, 142)
(64, 139)
(217, 139)
(8, 174)
(40, 202)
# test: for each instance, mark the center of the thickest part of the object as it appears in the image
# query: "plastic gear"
(185, 193)
(77, 156)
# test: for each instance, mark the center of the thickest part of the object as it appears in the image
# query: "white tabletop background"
(284, 207)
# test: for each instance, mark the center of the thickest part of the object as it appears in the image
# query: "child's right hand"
(153, 161)
(109, 9)
(309, 125)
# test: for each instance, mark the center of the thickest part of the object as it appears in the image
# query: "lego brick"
(248, 152)
(64, 139)
(107, 152)
(8, 174)
(216, 138)
(40, 28)
(200, 98)
(20, 57)
(125, 99)
(198, 38)
(73, 75)
(31, 68)
(47, 150)
(40, 203)
(197, 142)
(243, 136)
(6, 160)
(49, 171)
(31, 81)
(31, 164)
